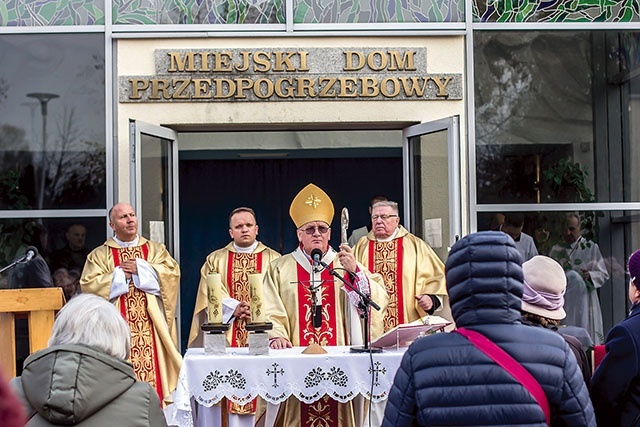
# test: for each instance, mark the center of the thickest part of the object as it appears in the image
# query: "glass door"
(432, 183)
(154, 184)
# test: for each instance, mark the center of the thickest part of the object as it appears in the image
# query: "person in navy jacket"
(444, 380)
(615, 386)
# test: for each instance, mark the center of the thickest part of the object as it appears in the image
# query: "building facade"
(460, 111)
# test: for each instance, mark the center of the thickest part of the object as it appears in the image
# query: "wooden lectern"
(40, 306)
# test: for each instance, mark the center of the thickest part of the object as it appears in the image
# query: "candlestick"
(214, 295)
(255, 295)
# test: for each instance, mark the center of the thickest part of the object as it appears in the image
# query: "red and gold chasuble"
(239, 266)
(385, 258)
(324, 412)
(133, 307)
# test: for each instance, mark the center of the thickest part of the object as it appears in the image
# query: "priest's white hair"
(393, 205)
(92, 321)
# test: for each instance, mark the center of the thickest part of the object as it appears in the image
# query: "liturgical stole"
(385, 258)
(133, 307)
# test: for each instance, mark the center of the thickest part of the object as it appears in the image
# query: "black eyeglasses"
(382, 217)
(321, 229)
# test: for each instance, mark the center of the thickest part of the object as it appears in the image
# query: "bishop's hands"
(347, 258)
(279, 343)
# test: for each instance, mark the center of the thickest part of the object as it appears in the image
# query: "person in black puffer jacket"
(444, 380)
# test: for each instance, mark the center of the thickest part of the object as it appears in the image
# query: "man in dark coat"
(615, 386)
(444, 380)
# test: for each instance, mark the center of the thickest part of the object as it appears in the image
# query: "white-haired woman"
(83, 378)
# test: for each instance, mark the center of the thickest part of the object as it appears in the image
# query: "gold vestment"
(288, 302)
(234, 269)
(236, 286)
(409, 267)
(151, 314)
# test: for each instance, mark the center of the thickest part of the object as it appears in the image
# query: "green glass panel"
(377, 11)
(18, 13)
(511, 11)
(198, 12)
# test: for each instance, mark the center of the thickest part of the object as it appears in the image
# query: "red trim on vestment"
(124, 309)
(399, 287)
(326, 334)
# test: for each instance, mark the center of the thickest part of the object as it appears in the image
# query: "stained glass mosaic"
(145, 12)
(38, 13)
(556, 11)
(377, 11)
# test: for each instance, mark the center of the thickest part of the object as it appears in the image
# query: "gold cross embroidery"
(312, 201)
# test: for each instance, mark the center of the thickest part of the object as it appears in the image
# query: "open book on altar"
(405, 334)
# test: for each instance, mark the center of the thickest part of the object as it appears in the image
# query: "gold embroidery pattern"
(243, 265)
(319, 413)
(385, 257)
(324, 335)
(312, 201)
(237, 408)
(126, 254)
(143, 349)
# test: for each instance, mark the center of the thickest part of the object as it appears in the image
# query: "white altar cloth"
(240, 377)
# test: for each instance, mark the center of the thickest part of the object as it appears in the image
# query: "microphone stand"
(14, 263)
(365, 302)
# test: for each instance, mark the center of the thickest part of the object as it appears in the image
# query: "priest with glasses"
(295, 285)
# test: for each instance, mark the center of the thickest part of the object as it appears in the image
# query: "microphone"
(316, 256)
(30, 253)
(316, 298)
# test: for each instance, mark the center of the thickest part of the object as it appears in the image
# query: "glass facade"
(534, 117)
(554, 123)
(52, 140)
(52, 126)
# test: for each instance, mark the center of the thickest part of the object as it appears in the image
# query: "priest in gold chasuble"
(289, 287)
(243, 256)
(413, 274)
(142, 280)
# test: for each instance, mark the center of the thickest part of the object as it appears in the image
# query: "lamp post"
(44, 99)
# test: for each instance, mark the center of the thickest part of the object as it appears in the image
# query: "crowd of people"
(511, 360)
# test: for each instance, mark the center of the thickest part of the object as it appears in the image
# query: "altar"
(207, 379)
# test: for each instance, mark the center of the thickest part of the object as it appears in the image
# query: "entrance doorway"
(215, 172)
(210, 188)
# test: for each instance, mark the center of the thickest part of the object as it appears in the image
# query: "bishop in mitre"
(288, 297)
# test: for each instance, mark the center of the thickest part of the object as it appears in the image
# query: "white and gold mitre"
(311, 204)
